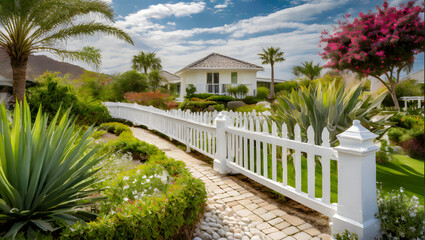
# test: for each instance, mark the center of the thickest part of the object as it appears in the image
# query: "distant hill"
(37, 65)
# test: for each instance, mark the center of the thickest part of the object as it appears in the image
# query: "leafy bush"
(218, 107)
(346, 235)
(250, 108)
(155, 98)
(395, 133)
(202, 95)
(401, 217)
(329, 105)
(263, 93)
(130, 81)
(127, 143)
(383, 155)
(157, 200)
(94, 86)
(45, 175)
(196, 106)
(251, 100)
(220, 98)
(239, 91)
(286, 87)
(54, 97)
(190, 91)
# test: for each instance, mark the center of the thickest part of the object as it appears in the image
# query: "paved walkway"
(266, 217)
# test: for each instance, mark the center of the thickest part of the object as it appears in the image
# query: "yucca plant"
(45, 172)
(331, 105)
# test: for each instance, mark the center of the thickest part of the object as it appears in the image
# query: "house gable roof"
(217, 61)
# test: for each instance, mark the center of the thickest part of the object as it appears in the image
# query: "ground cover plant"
(156, 200)
(45, 172)
(401, 216)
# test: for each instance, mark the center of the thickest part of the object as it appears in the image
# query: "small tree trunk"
(394, 97)
(19, 68)
(272, 83)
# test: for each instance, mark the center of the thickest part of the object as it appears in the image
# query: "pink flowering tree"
(378, 44)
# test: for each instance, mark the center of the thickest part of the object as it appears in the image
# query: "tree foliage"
(146, 61)
(130, 81)
(307, 70)
(271, 56)
(377, 44)
(30, 26)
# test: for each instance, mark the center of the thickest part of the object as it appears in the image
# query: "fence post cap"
(357, 138)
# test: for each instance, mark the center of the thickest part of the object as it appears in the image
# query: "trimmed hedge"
(157, 200)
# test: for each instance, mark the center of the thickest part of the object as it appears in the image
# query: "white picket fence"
(247, 144)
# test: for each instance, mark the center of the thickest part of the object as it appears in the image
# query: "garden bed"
(158, 199)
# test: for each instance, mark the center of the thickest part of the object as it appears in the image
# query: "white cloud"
(220, 6)
(177, 47)
(141, 20)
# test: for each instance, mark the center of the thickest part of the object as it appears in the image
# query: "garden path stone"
(232, 211)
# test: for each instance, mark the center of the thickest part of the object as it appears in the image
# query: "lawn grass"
(402, 171)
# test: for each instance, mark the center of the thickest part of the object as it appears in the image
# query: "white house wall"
(199, 77)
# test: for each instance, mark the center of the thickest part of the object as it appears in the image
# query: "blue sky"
(184, 31)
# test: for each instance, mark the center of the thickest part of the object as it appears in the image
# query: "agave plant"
(331, 105)
(45, 172)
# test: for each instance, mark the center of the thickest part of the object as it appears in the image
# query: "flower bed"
(156, 200)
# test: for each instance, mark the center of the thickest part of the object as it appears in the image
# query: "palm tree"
(308, 70)
(30, 26)
(146, 61)
(155, 79)
(271, 56)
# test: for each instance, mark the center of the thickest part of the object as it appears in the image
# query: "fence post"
(221, 123)
(357, 203)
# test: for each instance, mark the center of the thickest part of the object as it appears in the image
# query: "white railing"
(344, 177)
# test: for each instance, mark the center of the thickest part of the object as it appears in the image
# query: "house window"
(213, 83)
(234, 77)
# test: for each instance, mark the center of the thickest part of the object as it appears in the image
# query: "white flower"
(148, 180)
(134, 192)
(412, 214)
(125, 187)
(138, 171)
(125, 199)
(125, 178)
(401, 234)
(412, 229)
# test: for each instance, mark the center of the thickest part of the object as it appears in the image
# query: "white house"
(215, 72)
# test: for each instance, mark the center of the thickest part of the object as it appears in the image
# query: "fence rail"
(338, 182)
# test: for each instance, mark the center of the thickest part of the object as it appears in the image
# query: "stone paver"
(267, 218)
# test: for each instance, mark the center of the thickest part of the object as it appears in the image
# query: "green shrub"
(130, 81)
(251, 100)
(238, 91)
(250, 108)
(220, 98)
(286, 87)
(346, 235)
(218, 107)
(196, 106)
(385, 151)
(395, 133)
(190, 91)
(203, 95)
(263, 93)
(401, 217)
(127, 143)
(54, 97)
(45, 175)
